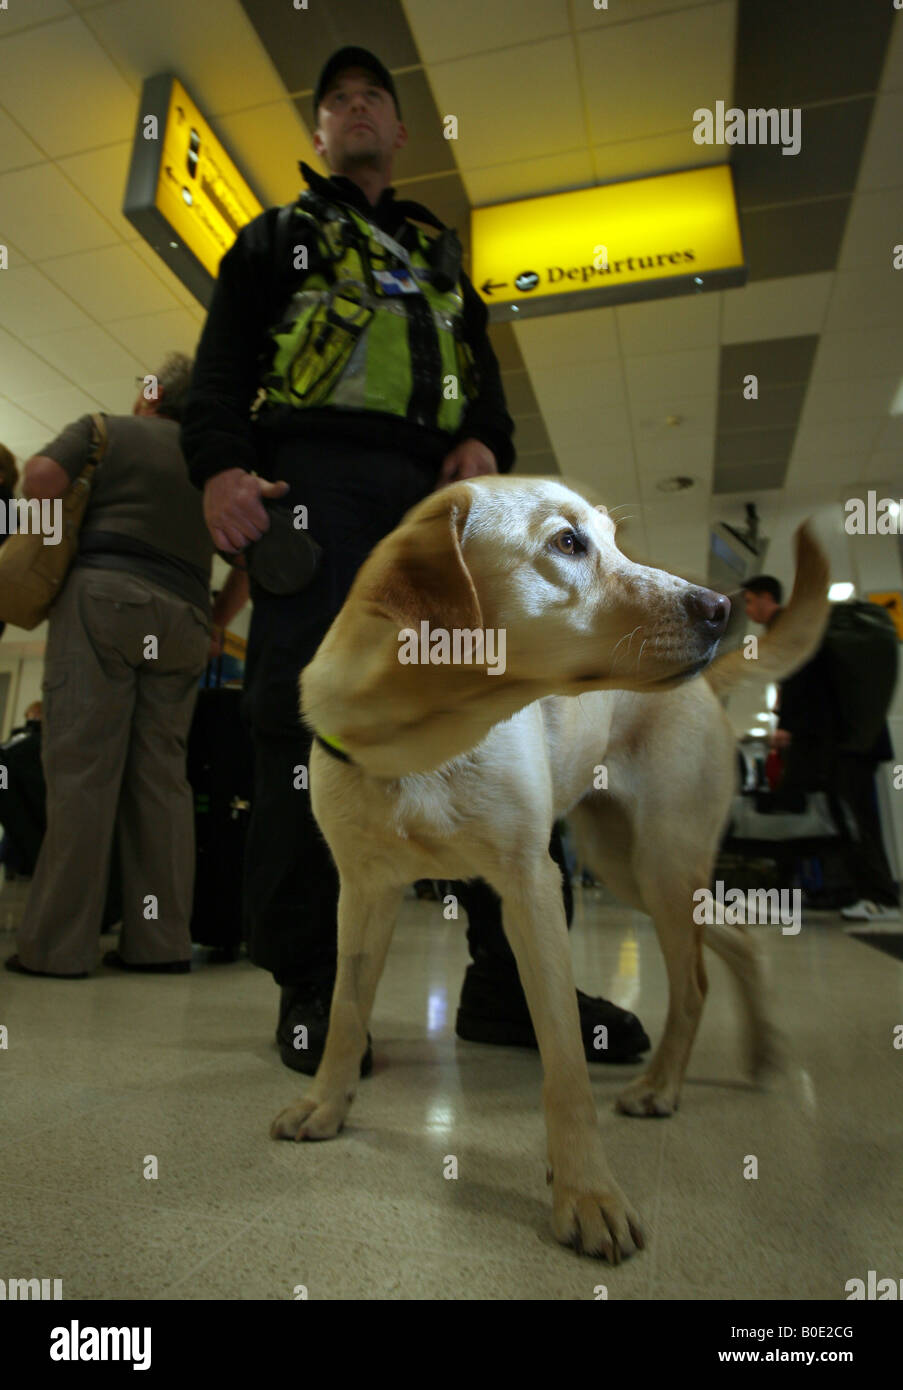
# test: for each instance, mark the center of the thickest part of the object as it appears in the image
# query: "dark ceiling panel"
(773, 360)
(535, 465)
(777, 407)
(797, 239)
(299, 41)
(732, 449)
(831, 143)
(761, 476)
(532, 435)
(794, 52)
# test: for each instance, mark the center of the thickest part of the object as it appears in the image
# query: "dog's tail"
(796, 633)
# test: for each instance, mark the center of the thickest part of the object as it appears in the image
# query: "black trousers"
(866, 861)
(353, 497)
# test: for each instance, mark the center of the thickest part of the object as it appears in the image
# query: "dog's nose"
(713, 610)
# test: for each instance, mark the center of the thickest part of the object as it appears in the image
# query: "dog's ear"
(419, 572)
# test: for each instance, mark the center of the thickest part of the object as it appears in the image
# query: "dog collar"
(332, 746)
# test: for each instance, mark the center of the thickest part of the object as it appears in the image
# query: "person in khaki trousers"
(129, 637)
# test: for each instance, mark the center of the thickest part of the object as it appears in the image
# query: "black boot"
(308, 1006)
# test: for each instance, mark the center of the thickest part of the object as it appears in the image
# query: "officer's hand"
(780, 739)
(233, 510)
(469, 459)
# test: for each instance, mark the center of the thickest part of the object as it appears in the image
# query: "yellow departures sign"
(650, 238)
(200, 193)
(184, 194)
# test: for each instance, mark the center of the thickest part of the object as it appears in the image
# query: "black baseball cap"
(354, 58)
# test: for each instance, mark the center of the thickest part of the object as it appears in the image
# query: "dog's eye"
(569, 543)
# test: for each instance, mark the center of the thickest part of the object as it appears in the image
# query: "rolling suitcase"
(220, 770)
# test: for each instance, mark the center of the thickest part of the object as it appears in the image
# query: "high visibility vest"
(351, 339)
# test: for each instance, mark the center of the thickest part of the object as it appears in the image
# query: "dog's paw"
(641, 1097)
(310, 1119)
(768, 1053)
(600, 1223)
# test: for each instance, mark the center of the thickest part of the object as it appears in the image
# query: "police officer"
(344, 373)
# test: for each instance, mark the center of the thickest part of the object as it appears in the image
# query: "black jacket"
(248, 299)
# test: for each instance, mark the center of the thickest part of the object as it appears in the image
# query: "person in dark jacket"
(9, 477)
(357, 445)
(807, 738)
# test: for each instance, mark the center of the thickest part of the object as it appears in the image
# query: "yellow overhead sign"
(184, 195)
(674, 234)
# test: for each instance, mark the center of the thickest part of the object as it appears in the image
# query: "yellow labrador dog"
(454, 769)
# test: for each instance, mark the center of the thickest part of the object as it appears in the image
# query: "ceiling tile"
(839, 439)
(531, 435)
(20, 17)
(881, 159)
(163, 273)
(892, 75)
(23, 373)
(653, 154)
(479, 27)
(798, 239)
(811, 50)
(529, 98)
(589, 427)
(881, 471)
(536, 465)
(773, 361)
(564, 340)
(601, 477)
(71, 61)
(845, 356)
(151, 337)
(101, 177)
(16, 150)
(776, 308)
(117, 393)
(657, 376)
(600, 383)
(668, 453)
(752, 445)
(102, 282)
(777, 407)
(17, 425)
(860, 399)
(86, 355)
(695, 414)
(891, 439)
(529, 178)
(25, 197)
(689, 322)
(31, 304)
(865, 299)
(506, 347)
(141, 40)
(754, 475)
(519, 395)
(618, 62)
(831, 144)
(874, 228)
(300, 41)
(57, 409)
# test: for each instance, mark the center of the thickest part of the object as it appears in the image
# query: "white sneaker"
(866, 911)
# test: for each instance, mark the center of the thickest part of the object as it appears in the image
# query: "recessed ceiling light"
(676, 484)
